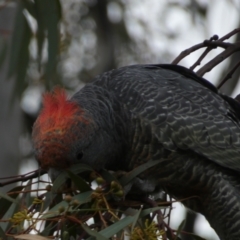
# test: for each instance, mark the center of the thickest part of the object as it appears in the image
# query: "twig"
(218, 59)
(214, 38)
(186, 52)
(211, 44)
(203, 55)
(24, 178)
(228, 35)
(194, 48)
(229, 75)
(17, 176)
(218, 43)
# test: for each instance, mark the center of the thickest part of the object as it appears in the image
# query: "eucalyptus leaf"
(117, 226)
(93, 233)
(81, 198)
(48, 18)
(135, 172)
(6, 197)
(136, 217)
(31, 237)
(79, 182)
(180, 227)
(2, 234)
(49, 228)
(76, 169)
(27, 194)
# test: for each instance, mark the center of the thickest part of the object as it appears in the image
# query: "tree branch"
(23, 178)
(219, 58)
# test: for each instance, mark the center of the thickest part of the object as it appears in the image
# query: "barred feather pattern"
(181, 119)
(165, 112)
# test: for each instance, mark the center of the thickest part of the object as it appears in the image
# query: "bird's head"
(63, 132)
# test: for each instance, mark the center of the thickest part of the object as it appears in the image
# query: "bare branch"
(188, 51)
(229, 75)
(211, 44)
(23, 178)
(219, 58)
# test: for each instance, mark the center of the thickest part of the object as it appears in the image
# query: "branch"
(186, 52)
(219, 58)
(192, 49)
(23, 178)
(229, 75)
(211, 44)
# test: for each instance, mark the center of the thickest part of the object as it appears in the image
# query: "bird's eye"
(79, 156)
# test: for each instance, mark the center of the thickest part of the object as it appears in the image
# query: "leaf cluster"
(93, 206)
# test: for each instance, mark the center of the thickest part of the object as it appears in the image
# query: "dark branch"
(188, 51)
(23, 178)
(211, 44)
(229, 75)
(219, 58)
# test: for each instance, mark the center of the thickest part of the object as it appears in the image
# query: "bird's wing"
(186, 113)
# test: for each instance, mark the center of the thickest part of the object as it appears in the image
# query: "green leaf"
(109, 177)
(48, 18)
(93, 233)
(11, 210)
(5, 203)
(136, 217)
(150, 210)
(61, 179)
(81, 197)
(8, 208)
(31, 237)
(27, 195)
(179, 229)
(79, 182)
(117, 226)
(121, 224)
(49, 228)
(11, 199)
(65, 235)
(47, 200)
(53, 39)
(2, 234)
(6, 197)
(135, 172)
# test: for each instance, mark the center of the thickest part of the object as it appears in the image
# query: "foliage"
(47, 15)
(89, 208)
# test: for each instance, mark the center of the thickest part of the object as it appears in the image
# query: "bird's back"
(182, 120)
(182, 110)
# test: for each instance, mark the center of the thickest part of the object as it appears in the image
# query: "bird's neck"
(111, 119)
